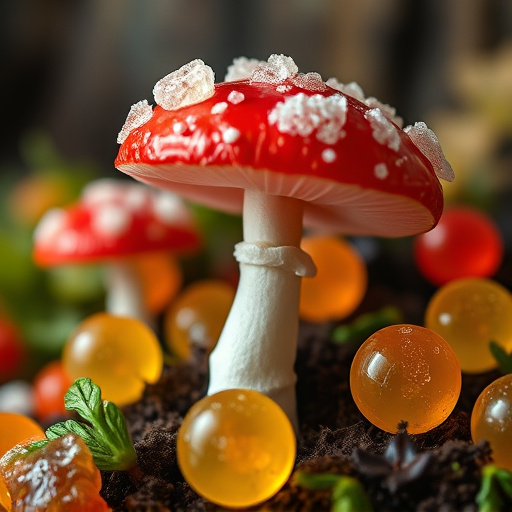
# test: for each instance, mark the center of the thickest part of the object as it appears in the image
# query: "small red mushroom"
(113, 222)
(287, 150)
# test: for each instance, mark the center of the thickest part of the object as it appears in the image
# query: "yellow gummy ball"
(236, 448)
(119, 354)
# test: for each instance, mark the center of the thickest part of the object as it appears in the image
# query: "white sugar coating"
(302, 115)
(230, 135)
(381, 171)
(139, 114)
(309, 81)
(220, 107)
(351, 89)
(283, 88)
(110, 220)
(170, 209)
(51, 223)
(179, 128)
(275, 71)
(191, 122)
(236, 97)
(104, 190)
(241, 68)
(387, 110)
(383, 131)
(428, 143)
(192, 83)
(329, 155)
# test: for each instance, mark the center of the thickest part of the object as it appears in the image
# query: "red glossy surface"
(12, 350)
(465, 243)
(50, 386)
(156, 154)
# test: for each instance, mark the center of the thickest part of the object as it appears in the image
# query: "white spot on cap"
(276, 70)
(139, 114)
(351, 89)
(67, 242)
(110, 220)
(220, 107)
(170, 209)
(236, 97)
(427, 142)
(192, 83)
(51, 223)
(381, 171)
(242, 68)
(387, 110)
(230, 135)
(302, 115)
(179, 128)
(309, 81)
(329, 155)
(283, 88)
(384, 132)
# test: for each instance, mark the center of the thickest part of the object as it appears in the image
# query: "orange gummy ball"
(236, 448)
(340, 282)
(405, 373)
(16, 429)
(61, 475)
(491, 420)
(197, 316)
(469, 314)
(5, 497)
(119, 354)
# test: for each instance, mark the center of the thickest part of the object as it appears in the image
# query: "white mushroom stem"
(124, 292)
(257, 347)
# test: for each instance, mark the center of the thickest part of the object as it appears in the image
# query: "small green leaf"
(503, 359)
(348, 496)
(315, 481)
(105, 432)
(495, 488)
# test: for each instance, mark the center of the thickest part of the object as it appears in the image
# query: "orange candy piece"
(491, 419)
(60, 475)
(16, 429)
(197, 316)
(340, 282)
(5, 497)
(119, 354)
(405, 373)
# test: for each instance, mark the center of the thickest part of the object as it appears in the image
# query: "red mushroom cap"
(114, 219)
(356, 170)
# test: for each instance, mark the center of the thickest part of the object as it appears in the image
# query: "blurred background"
(71, 70)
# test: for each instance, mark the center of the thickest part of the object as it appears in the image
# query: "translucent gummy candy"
(61, 475)
(139, 114)
(192, 83)
(276, 70)
(241, 68)
(427, 142)
(301, 115)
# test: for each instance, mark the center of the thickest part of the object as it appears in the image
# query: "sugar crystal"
(381, 171)
(219, 108)
(301, 115)
(329, 155)
(276, 70)
(387, 110)
(309, 81)
(351, 89)
(192, 83)
(427, 142)
(139, 114)
(241, 68)
(384, 132)
(236, 97)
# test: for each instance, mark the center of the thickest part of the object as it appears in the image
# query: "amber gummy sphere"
(16, 429)
(196, 317)
(405, 373)
(236, 448)
(491, 420)
(340, 282)
(469, 314)
(119, 354)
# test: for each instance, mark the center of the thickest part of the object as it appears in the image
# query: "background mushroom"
(287, 150)
(115, 222)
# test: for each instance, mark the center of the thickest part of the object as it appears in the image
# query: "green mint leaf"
(105, 432)
(496, 486)
(315, 481)
(348, 496)
(503, 359)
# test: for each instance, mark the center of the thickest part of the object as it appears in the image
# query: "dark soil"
(331, 427)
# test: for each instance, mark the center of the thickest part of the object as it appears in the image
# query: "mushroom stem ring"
(257, 347)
